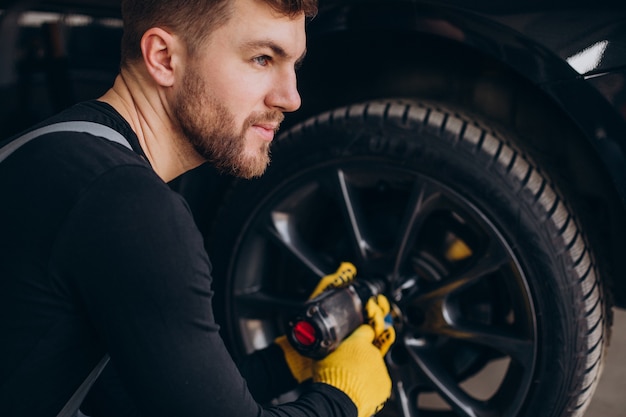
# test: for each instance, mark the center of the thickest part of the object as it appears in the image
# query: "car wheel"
(498, 305)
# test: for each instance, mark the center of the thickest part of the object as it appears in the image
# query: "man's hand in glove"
(378, 317)
(301, 366)
(343, 276)
(357, 367)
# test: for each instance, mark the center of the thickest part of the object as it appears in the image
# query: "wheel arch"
(371, 51)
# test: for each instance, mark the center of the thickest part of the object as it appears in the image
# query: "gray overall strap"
(92, 128)
(73, 404)
(71, 407)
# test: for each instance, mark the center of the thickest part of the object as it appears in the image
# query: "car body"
(504, 122)
(500, 59)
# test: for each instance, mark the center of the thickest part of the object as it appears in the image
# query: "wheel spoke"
(447, 387)
(443, 318)
(350, 209)
(404, 388)
(260, 304)
(283, 232)
(420, 204)
(493, 259)
(506, 341)
(405, 399)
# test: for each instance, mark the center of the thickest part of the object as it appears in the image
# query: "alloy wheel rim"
(463, 308)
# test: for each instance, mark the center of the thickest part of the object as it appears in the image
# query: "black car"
(469, 154)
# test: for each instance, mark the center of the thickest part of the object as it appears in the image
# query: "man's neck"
(168, 151)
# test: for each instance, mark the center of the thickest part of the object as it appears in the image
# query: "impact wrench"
(324, 321)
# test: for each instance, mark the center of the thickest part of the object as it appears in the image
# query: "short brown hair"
(194, 20)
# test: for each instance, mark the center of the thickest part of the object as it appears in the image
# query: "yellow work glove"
(301, 366)
(342, 277)
(357, 368)
(379, 318)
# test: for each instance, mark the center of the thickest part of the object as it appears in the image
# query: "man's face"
(233, 94)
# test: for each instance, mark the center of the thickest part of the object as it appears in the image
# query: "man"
(100, 256)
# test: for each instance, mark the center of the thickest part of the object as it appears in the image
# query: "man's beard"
(210, 128)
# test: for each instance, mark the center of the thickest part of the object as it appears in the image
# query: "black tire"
(501, 309)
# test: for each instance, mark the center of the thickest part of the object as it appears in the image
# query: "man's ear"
(159, 48)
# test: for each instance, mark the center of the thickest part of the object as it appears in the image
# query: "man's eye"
(262, 60)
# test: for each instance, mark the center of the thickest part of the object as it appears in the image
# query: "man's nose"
(285, 96)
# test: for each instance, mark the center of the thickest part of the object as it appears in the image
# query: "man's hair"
(193, 20)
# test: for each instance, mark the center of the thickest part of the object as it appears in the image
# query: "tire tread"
(483, 142)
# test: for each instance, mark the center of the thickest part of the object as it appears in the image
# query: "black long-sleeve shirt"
(98, 254)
